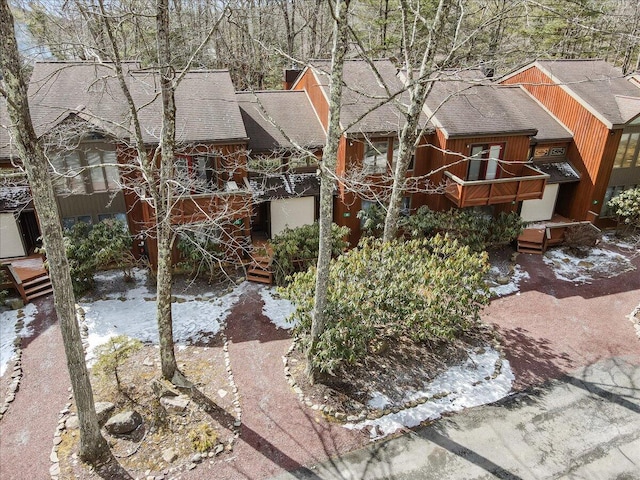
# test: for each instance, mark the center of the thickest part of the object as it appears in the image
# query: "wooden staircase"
(30, 288)
(533, 240)
(260, 270)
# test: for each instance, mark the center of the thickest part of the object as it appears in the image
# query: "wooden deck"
(537, 238)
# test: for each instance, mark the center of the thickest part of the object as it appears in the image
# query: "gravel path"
(26, 430)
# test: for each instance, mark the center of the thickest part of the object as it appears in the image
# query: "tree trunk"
(164, 203)
(93, 446)
(327, 181)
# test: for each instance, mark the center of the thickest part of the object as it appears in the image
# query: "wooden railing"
(522, 182)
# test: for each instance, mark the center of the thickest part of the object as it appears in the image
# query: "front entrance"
(30, 230)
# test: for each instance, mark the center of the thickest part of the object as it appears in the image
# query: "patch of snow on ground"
(277, 309)
(514, 284)
(133, 313)
(599, 263)
(460, 387)
(630, 243)
(378, 401)
(8, 322)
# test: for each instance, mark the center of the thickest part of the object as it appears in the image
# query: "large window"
(628, 149)
(609, 194)
(484, 161)
(376, 157)
(86, 171)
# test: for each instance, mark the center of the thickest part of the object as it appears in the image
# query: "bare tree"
(93, 447)
(327, 176)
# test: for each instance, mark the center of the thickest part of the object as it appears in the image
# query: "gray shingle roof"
(206, 108)
(291, 110)
(466, 104)
(598, 84)
(363, 93)
(549, 128)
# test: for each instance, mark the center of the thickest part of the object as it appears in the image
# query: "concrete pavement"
(585, 425)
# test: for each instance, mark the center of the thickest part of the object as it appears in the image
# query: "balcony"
(519, 182)
(204, 207)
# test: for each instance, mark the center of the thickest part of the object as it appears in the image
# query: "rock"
(54, 456)
(54, 470)
(219, 449)
(196, 458)
(71, 423)
(163, 388)
(57, 440)
(503, 280)
(103, 411)
(191, 466)
(169, 455)
(147, 362)
(124, 422)
(175, 404)
(222, 393)
(14, 303)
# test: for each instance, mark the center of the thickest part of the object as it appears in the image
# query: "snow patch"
(277, 309)
(514, 284)
(133, 313)
(378, 401)
(8, 320)
(599, 263)
(461, 386)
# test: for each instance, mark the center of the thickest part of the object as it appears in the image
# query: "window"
(86, 171)
(69, 222)
(405, 209)
(196, 174)
(628, 149)
(303, 164)
(484, 161)
(376, 157)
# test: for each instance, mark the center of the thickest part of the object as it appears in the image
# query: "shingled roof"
(290, 110)
(206, 108)
(598, 85)
(365, 106)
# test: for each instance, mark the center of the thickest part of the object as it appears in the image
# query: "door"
(484, 162)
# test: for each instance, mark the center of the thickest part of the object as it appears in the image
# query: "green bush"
(626, 207)
(373, 220)
(428, 290)
(470, 227)
(295, 250)
(94, 247)
(200, 252)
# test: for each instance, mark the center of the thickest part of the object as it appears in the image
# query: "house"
(601, 109)
(81, 114)
(285, 145)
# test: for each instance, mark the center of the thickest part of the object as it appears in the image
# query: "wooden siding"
(593, 149)
(309, 83)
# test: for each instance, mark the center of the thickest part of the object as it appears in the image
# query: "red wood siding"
(309, 83)
(594, 146)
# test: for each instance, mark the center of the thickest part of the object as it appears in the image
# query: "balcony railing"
(523, 183)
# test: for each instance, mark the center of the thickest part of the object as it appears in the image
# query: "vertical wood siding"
(309, 83)
(593, 149)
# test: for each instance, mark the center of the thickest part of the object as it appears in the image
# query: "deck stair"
(31, 287)
(533, 240)
(260, 270)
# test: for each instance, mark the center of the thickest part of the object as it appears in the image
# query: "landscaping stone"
(175, 404)
(103, 411)
(124, 422)
(169, 455)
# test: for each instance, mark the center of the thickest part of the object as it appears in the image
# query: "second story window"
(86, 171)
(484, 161)
(628, 151)
(198, 174)
(376, 157)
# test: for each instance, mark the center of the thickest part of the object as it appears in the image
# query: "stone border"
(17, 373)
(634, 316)
(369, 413)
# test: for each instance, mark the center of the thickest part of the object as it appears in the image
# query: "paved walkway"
(26, 430)
(586, 425)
